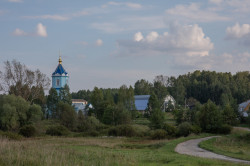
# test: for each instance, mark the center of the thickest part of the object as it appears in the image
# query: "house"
(141, 102)
(79, 104)
(168, 100)
(244, 107)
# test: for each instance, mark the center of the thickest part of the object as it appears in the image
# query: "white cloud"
(16, 1)
(99, 42)
(138, 37)
(194, 12)
(238, 31)
(152, 36)
(19, 32)
(239, 5)
(41, 30)
(185, 41)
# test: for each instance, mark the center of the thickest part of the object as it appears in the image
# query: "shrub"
(11, 135)
(184, 129)
(122, 130)
(159, 134)
(113, 131)
(141, 130)
(27, 130)
(225, 129)
(196, 129)
(57, 131)
(171, 130)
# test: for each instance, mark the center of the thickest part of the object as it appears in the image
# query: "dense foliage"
(205, 102)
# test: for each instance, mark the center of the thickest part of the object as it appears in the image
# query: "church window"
(57, 82)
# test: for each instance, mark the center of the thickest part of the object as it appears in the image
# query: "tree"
(67, 115)
(34, 113)
(64, 95)
(157, 118)
(153, 103)
(126, 97)
(142, 87)
(52, 101)
(228, 115)
(17, 79)
(96, 97)
(15, 112)
(210, 118)
(161, 91)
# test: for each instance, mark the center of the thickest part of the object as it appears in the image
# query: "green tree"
(52, 100)
(34, 113)
(228, 115)
(160, 91)
(9, 118)
(126, 97)
(142, 87)
(153, 103)
(210, 119)
(65, 95)
(157, 118)
(67, 115)
(96, 97)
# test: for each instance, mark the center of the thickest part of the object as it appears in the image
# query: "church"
(60, 78)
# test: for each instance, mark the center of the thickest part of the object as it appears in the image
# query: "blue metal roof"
(60, 70)
(141, 102)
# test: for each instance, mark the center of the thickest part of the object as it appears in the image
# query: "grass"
(98, 151)
(235, 145)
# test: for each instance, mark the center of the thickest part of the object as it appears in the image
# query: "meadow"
(236, 145)
(98, 151)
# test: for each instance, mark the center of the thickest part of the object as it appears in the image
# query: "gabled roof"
(60, 70)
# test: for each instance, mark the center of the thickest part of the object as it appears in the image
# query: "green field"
(236, 145)
(98, 151)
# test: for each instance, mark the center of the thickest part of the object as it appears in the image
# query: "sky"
(111, 43)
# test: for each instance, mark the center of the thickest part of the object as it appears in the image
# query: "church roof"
(60, 70)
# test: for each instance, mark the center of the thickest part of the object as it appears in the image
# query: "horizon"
(106, 44)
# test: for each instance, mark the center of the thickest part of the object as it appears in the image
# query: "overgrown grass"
(235, 145)
(98, 151)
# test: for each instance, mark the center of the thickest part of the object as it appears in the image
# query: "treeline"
(205, 102)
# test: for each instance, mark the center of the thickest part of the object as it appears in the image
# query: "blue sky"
(111, 43)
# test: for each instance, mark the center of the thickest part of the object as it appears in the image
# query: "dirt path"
(191, 148)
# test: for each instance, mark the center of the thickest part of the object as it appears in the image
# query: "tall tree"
(17, 79)
(142, 87)
(52, 101)
(65, 95)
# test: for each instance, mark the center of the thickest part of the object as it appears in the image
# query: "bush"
(122, 130)
(184, 129)
(11, 135)
(196, 129)
(159, 134)
(171, 130)
(225, 129)
(113, 131)
(27, 130)
(57, 131)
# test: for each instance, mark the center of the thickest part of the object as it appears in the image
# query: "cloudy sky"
(110, 43)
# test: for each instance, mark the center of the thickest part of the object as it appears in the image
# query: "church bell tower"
(60, 77)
